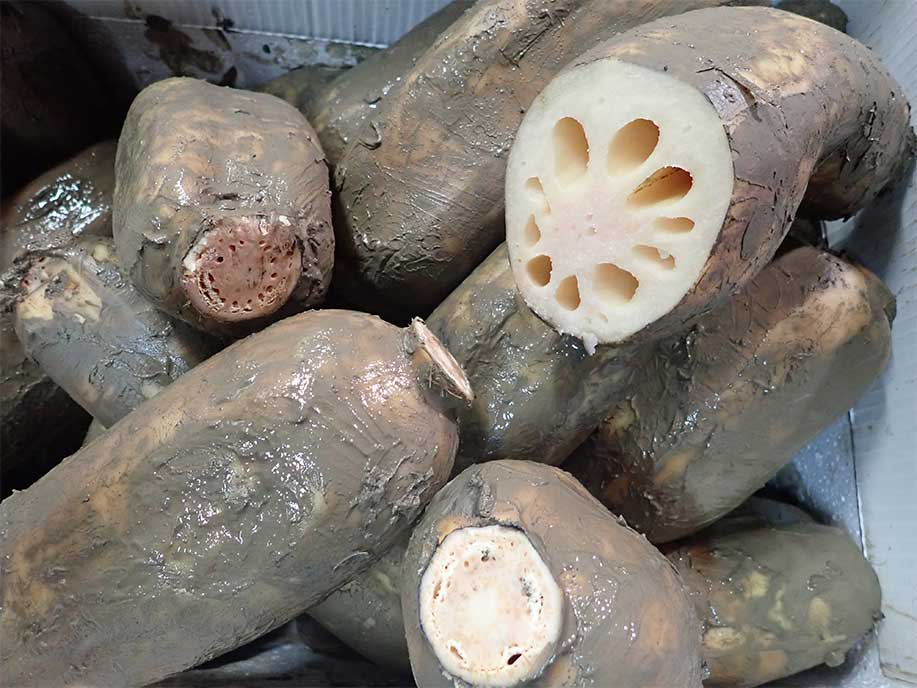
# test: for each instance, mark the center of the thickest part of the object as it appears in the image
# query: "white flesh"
(595, 250)
(490, 607)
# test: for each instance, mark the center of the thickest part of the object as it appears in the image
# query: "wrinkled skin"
(776, 598)
(366, 612)
(194, 158)
(91, 331)
(67, 202)
(598, 562)
(54, 101)
(795, 144)
(338, 110)
(538, 394)
(336, 101)
(420, 187)
(719, 410)
(239, 496)
(39, 423)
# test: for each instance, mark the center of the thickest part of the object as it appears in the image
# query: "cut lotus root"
(243, 269)
(617, 186)
(489, 606)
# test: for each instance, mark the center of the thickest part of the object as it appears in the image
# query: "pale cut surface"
(490, 607)
(616, 189)
(451, 377)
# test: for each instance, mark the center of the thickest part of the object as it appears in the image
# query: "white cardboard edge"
(364, 22)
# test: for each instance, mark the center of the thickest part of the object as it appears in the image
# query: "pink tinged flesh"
(243, 269)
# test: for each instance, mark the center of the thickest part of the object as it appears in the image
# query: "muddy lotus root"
(516, 576)
(83, 321)
(222, 211)
(41, 424)
(537, 393)
(442, 134)
(236, 498)
(661, 170)
(777, 594)
(714, 413)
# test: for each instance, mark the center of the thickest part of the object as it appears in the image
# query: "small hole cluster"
(244, 271)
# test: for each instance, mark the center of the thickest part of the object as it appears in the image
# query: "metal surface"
(861, 474)
(884, 237)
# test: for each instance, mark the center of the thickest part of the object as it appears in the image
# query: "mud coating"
(338, 110)
(91, 331)
(627, 618)
(67, 202)
(716, 412)
(776, 599)
(366, 612)
(239, 496)
(538, 394)
(39, 423)
(442, 136)
(301, 86)
(794, 144)
(205, 172)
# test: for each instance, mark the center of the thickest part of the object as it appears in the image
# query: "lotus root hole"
(665, 185)
(571, 151)
(632, 145)
(532, 233)
(567, 293)
(655, 256)
(613, 284)
(675, 225)
(536, 192)
(539, 270)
